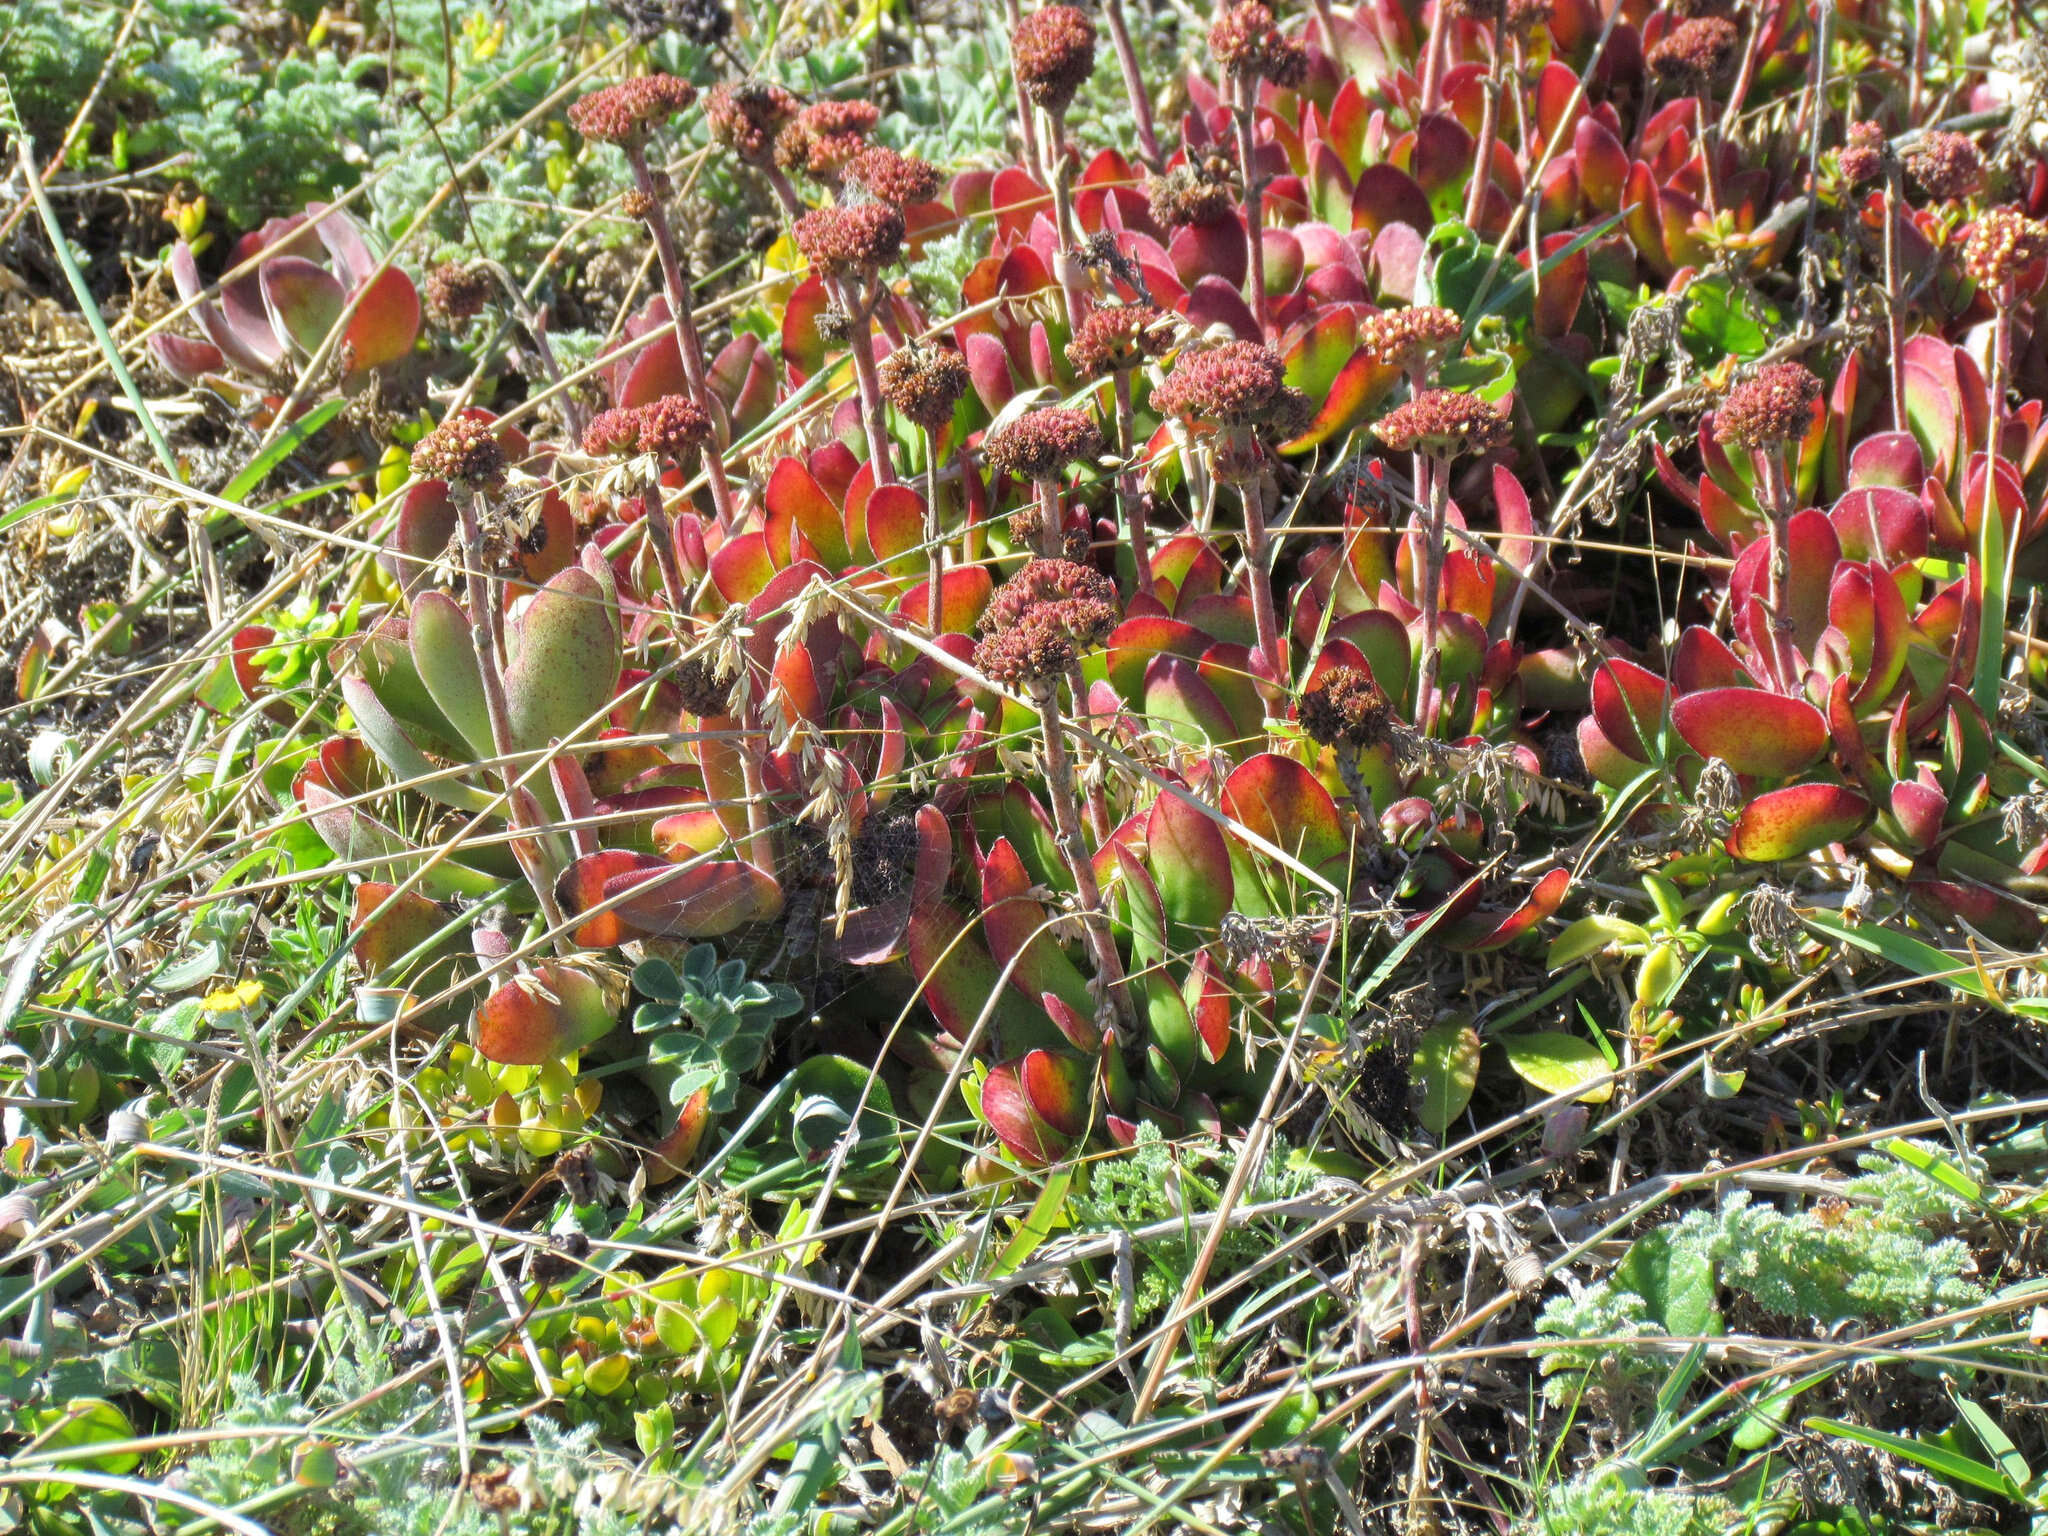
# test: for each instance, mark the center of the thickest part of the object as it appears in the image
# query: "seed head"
(464, 451)
(2001, 245)
(1118, 337)
(1444, 424)
(673, 428)
(1245, 40)
(627, 112)
(456, 293)
(613, 431)
(1774, 406)
(1411, 338)
(851, 237)
(1862, 153)
(704, 689)
(1345, 706)
(824, 136)
(924, 382)
(1191, 193)
(1695, 53)
(1236, 384)
(747, 116)
(1036, 651)
(1053, 51)
(1079, 599)
(1039, 445)
(892, 177)
(1944, 165)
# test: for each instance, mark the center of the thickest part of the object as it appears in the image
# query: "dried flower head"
(1444, 424)
(627, 112)
(464, 451)
(892, 176)
(852, 237)
(1245, 40)
(1344, 706)
(1862, 152)
(1030, 653)
(824, 136)
(1039, 445)
(1773, 406)
(1411, 338)
(1117, 337)
(2001, 245)
(1236, 384)
(1053, 51)
(673, 428)
(1944, 165)
(1695, 53)
(924, 382)
(456, 293)
(1192, 193)
(1079, 599)
(705, 690)
(746, 117)
(614, 431)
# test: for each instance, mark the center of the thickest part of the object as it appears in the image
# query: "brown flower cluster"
(704, 689)
(1053, 51)
(892, 177)
(464, 451)
(851, 237)
(1117, 337)
(2001, 245)
(1246, 40)
(924, 382)
(1344, 707)
(1944, 165)
(1773, 406)
(456, 293)
(821, 139)
(1696, 52)
(1042, 618)
(747, 116)
(670, 428)
(1862, 153)
(1192, 193)
(1039, 445)
(1410, 338)
(1236, 384)
(1444, 424)
(627, 112)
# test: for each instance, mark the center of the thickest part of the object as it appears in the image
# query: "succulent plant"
(708, 1023)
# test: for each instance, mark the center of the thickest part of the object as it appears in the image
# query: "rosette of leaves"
(708, 1024)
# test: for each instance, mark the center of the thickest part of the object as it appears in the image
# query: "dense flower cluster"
(2001, 245)
(821, 139)
(456, 293)
(1696, 52)
(1410, 338)
(1944, 165)
(1235, 384)
(1344, 706)
(1246, 40)
(463, 449)
(892, 176)
(1192, 193)
(1445, 424)
(852, 237)
(746, 117)
(1039, 445)
(1772, 407)
(1117, 337)
(627, 112)
(1042, 618)
(1862, 155)
(924, 382)
(672, 427)
(704, 689)
(1053, 51)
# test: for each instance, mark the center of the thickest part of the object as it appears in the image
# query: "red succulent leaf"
(964, 591)
(895, 516)
(302, 299)
(1007, 1108)
(1703, 660)
(1480, 932)
(1175, 697)
(1788, 823)
(541, 1017)
(1019, 930)
(1769, 735)
(1278, 800)
(386, 322)
(1134, 643)
(1190, 861)
(795, 502)
(381, 938)
(1629, 700)
(1920, 810)
(1208, 1000)
(1058, 1088)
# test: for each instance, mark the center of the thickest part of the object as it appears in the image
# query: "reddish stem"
(1128, 494)
(1438, 495)
(1254, 202)
(1894, 318)
(1489, 130)
(1066, 816)
(935, 554)
(1134, 83)
(1258, 559)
